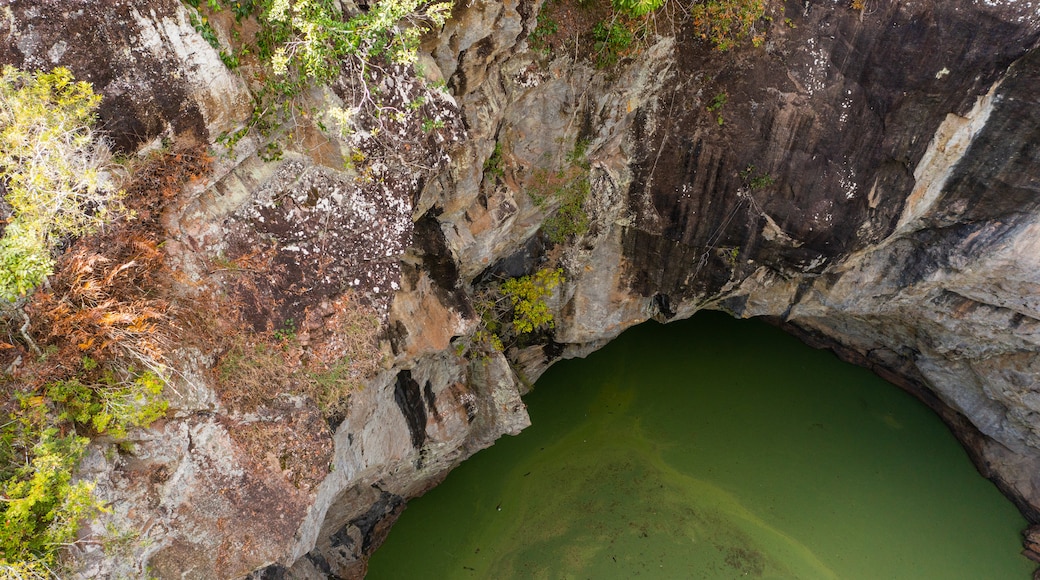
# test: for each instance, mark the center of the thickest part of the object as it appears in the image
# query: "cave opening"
(713, 448)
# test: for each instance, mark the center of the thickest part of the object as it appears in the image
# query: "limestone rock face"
(158, 76)
(867, 179)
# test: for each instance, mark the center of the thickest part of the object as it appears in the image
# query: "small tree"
(53, 171)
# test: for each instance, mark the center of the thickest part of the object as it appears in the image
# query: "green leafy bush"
(110, 405)
(311, 35)
(493, 164)
(528, 295)
(611, 29)
(304, 43)
(716, 105)
(485, 340)
(25, 261)
(718, 101)
(636, 8)
(570, 219)
(611, 40)
(54, 168)
(756, 180)
(42, 506)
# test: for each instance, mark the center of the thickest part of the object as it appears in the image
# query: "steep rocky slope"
(866, 178)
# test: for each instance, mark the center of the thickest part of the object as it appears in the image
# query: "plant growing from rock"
(568, 187)
(486, 340)
(103, 325)
(727, 23)
(528, 296)
(636, 8)
(715, 106)
(605, 31)
(612, 39)
(106, 403)
(302, 45)
(41, 443)
(509, 309)
(42, 507)
(311, 37)
(544, 29)
(55, 173)
(493, 164)
(610, 30)
(570, 219)
(755, 180)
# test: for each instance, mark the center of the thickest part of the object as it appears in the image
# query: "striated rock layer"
(869, 182)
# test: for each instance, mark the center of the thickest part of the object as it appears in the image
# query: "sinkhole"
(713, 448)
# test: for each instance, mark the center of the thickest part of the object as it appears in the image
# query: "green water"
(713, 448)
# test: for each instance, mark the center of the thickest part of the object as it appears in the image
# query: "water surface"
(713, 448)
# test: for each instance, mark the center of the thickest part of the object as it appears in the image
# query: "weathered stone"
(158, 76)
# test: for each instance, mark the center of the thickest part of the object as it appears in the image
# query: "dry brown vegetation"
(326, 359)
(291, 386)
(114, 300)
(110, 297)
(104, 320)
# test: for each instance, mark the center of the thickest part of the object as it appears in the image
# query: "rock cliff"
(867, 178)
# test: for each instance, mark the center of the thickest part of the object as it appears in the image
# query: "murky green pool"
(713, 448)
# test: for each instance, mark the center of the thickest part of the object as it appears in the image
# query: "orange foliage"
(110, 295)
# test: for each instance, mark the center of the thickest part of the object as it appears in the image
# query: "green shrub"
(310, 35)
(493, 164)
(755, 180)
(42, 507)
(54, 168)
(305, 43)
(717, 102)
(570, 219)
(611, 40)
(25, 262)
(485, 340)
(110, 405)
(716, 105)
(528, 294)
(636, 8)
